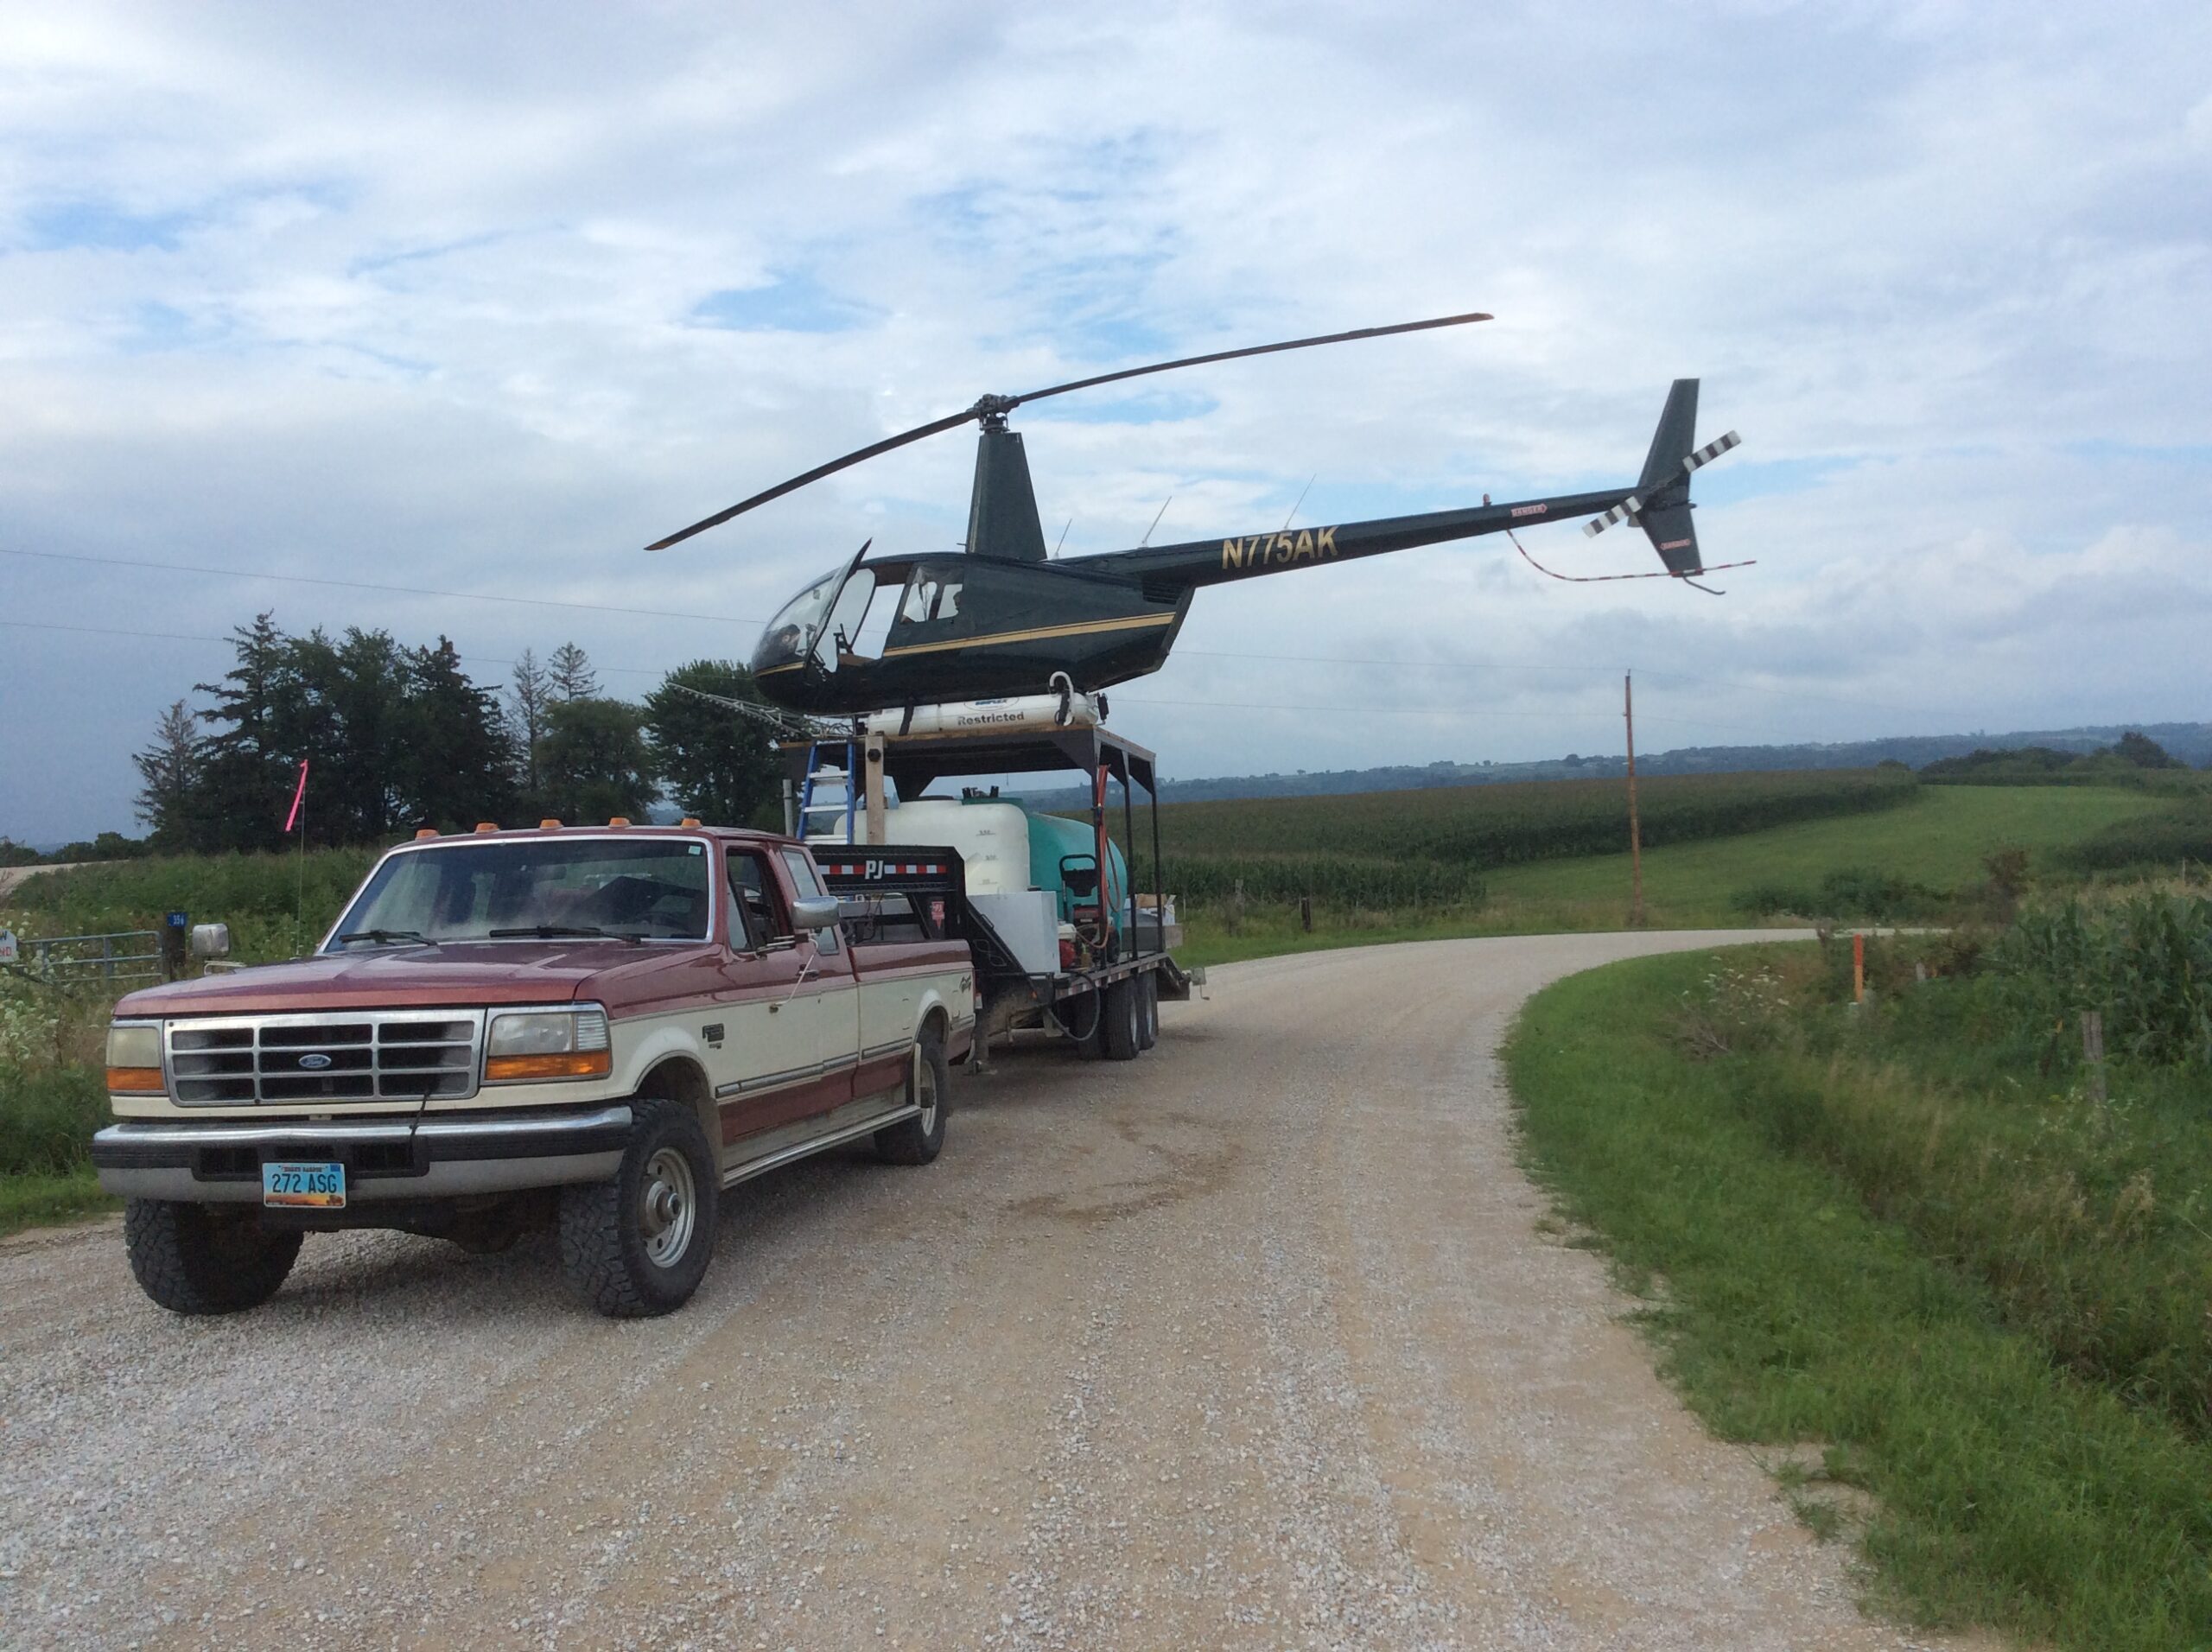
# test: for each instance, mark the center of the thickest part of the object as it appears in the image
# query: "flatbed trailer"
(1106, 998)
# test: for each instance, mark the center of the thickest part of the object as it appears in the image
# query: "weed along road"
(1255, 1341)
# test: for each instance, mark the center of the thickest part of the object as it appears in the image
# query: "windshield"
(792, 633)
(654, 889)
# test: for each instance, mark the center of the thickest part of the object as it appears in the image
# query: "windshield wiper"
(554, 931)
(383, 937)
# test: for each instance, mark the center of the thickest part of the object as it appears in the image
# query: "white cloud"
(315, 291)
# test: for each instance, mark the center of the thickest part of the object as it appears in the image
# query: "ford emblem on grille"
(314, 1062)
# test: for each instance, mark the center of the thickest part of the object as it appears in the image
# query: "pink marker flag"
(298, 797)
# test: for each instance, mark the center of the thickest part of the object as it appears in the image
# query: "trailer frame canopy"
(914, 763)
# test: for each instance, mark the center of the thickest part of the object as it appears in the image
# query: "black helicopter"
(1001, 618)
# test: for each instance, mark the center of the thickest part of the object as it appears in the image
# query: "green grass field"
(1911, 1269)
(1937, 839)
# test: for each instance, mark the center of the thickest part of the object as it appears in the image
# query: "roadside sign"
(8, 949)
(180, 920)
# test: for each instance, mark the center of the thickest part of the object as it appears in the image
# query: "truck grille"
(371, 1055)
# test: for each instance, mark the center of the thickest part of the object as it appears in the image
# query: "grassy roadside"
(2006, 1490)
(45, 1201)
(48, 1114)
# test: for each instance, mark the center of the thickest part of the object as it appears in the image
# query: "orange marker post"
(1859, 967)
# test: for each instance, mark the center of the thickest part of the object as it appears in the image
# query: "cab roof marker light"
(422, 832)
(688, 820)
(548, 825)
(617, 820)
(487, 825)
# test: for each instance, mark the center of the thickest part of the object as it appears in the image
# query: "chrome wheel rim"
(668, 1207)
(925, 1093)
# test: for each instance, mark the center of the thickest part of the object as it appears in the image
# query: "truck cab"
(597, 1029)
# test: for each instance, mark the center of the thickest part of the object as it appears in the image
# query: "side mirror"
(811, 913)
(211, 940)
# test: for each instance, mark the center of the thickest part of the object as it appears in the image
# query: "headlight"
(134, 1057)
(548, 1044)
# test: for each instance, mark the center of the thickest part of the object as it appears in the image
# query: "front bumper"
(448, 1155)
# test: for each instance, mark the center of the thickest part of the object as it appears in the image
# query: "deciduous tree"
(596, 761)
(719, 763)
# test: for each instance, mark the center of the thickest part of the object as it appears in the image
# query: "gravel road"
(1254, 1342)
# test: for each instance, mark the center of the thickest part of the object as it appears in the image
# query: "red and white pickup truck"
(597, 1028)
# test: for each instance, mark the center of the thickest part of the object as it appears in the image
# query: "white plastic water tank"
(993, 838)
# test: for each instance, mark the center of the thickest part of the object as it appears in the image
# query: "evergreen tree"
(596, 761)
(171, 768)
(719, 763)
(529, 697)
(246, 778)
(360, 683)
(572, 676)
(452, 763)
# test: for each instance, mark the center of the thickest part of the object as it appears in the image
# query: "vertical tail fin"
(1671, 442)
(1664, 487)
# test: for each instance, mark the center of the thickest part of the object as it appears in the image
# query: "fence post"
(2092, 1050)
(1305, 912)
(1858, 966)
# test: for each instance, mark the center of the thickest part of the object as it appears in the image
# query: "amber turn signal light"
(568, 1064)
(134, 1081)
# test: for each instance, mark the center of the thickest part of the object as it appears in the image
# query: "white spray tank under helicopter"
(1063, 708)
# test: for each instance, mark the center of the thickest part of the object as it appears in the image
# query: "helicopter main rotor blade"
(1250, 350)
(935, 427)
(999, 406)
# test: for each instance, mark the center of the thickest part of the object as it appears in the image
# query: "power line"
(1202, 653)
(1602, 670)
(363, 585)
(194, 637)
(1427, 711)
(1208, 705)
(735, 620)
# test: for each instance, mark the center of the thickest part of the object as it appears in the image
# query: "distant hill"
(2191, 742)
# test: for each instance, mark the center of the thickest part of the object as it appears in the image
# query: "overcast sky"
(481, 299)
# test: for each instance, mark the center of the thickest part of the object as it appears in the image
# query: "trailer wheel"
(1082, 1016)
(1122, 1019)
(195, 1258)
(920, 1138)
(638, 1245)
(1149, 1009)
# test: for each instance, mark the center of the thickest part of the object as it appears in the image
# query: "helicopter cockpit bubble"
(792, 633)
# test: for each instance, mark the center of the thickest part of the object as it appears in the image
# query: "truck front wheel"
(200, 1259)
(640, 1244)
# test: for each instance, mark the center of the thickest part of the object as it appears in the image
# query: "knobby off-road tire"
(203, 1258)
(638, 1245)
(1122, 1019)
(1149, 1009)
(929, 1086)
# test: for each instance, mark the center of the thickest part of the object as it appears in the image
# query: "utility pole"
(1635, 828)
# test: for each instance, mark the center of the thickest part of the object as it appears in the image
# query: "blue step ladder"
(830, 799)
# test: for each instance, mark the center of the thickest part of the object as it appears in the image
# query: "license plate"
(320, 1187)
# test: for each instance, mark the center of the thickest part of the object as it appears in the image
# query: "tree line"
(397, 737)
